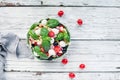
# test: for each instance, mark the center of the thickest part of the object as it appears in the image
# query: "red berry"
(51, 34)
(64, 61)
(82, 66)
(71, 75)
(60, 13)
(57, 49)
(79, 21)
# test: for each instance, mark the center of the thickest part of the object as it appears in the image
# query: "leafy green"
(41, 54)
(52, 23)
(46, 45)
(46, 38)
(60, 36)
(33, 26)
(44, 32)
(33, 34)
(66, 37)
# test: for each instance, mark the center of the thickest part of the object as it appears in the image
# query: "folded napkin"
(11, 44)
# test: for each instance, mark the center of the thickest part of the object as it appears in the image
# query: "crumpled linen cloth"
(11, 44)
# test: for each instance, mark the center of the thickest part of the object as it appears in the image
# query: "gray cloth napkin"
(11, 44)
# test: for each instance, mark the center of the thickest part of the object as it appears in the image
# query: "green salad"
(48, 39)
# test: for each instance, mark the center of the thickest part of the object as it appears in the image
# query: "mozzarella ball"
(56, 31)
(62, 43)
(51, 52)
(52, 40)
(44, 22)
(38, 31)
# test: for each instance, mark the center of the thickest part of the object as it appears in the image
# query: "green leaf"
(46, 45)
(60, 36)
(33, 34)
(44, 32)
(66, 37)
(34, 25)
(37, 49)
(52, 23)
(46, 38)
(41, 54)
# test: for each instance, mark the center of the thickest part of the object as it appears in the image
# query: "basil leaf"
(41, 54)
(46, 38)
(44, 32)
(33, 34)
(52, 23)
(34, 25)
(37, 49)
(46, 45)
(66, 37)
(60, 36)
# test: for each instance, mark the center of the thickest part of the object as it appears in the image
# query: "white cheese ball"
(56, 31)
(38, 31)
(35, 54)
(52, 40)
(51, 52)
(62, 43)
(44, 22)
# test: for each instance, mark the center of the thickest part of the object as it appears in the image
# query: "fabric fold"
(11, 44)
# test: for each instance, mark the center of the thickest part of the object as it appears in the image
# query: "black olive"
(55, 43)
(33, 45)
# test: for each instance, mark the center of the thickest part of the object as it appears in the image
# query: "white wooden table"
(96, 43)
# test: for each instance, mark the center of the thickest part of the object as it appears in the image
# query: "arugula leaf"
(46, 45)
(44, 32)
(41, 54)
(33, 26)
(52, 23)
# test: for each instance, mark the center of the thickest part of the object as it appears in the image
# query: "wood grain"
(99, 23)
(64, 76)
(97, 55)
(105, 3)
(96, 43)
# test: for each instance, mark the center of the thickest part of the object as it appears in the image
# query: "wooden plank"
(97, 55)
(99, 23)
(104, 48)
(59, 76)
(56, 66)
(62, 2)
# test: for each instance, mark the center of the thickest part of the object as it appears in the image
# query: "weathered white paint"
(102, 58)
(97, 55)
(64, 2)
(59, 76)
(99, 23)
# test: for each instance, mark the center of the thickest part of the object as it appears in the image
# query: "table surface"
(96, 43)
